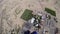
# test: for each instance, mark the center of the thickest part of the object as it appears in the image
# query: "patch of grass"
(50, 11)
(27, 14)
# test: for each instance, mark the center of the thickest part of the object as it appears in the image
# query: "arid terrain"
(11, 11)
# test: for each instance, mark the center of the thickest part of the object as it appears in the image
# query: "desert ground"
(11, 10)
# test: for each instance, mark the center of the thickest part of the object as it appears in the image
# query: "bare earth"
(10, 8)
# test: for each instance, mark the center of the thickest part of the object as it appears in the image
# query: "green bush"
(50, 11)
(27, 14)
